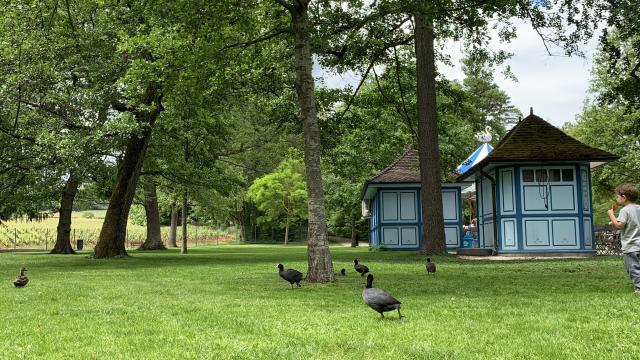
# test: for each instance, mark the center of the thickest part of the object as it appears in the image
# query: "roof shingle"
(534, 139)
(406, 169)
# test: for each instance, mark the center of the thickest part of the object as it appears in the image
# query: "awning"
(474, 158)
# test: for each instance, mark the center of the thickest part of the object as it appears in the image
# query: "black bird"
(290, 275)
(360, 268)
(431, 267)
(342, 272)
(379, 300)
(22, 279)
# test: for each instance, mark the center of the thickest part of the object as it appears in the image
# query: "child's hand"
(610, 212)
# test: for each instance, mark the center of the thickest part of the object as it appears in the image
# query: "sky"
(555, 86)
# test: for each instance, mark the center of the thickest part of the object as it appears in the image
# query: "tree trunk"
(183, 247)
(111, 242)
(286, 232)
(63, 239)
(433, 241)
(320, 265)
(355, 240)
(173, 229)
(154, 239)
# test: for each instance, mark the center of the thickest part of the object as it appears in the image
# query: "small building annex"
(391, 199)
(536, 186)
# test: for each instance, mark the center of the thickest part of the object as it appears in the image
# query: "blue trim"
(580, 191)
(496, 217)
(419, 200)
(518, 215)
(593, 230)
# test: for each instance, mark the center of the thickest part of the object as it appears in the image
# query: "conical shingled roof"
(534, 139)
(406, 169)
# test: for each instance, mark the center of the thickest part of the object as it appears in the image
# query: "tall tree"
(154, 239)
(63, 238)
(320, 264)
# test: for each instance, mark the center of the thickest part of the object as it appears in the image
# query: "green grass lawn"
(227, 302)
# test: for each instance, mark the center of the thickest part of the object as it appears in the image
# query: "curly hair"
(629, 191)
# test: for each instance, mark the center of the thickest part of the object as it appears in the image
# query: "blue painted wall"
(396, 218)
(540, 208)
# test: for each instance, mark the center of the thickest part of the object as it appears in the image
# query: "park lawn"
(227, 302)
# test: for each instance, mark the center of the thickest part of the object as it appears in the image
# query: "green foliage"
(612, 125)
(555, 309)
(281, 195)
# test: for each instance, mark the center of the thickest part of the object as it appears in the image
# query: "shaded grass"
(228, 302)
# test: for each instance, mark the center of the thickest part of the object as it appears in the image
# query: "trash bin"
(79, 244)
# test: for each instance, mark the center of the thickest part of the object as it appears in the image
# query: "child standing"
(629, 221)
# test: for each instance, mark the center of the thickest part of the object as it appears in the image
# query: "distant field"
(86, 225)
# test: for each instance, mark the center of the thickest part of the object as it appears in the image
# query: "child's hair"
(629, 191)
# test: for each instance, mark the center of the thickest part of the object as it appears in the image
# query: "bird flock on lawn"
(376, 298)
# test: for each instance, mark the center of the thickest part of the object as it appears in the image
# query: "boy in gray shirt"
(629, 221)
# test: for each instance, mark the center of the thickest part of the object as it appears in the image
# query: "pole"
(196, 234)
(15, 237)
(46, 240)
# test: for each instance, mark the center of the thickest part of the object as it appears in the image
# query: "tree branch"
(404, 105)
(264, 37)
(286, 5)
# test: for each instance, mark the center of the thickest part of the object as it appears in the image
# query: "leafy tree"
(281, 194)
(610, 121)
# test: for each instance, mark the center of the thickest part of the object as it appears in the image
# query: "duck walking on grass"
(290, 275)
(379, 300)
(360, 268)
(431, 267)
(22, 279)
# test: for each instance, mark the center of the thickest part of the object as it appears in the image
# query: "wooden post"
(46, 240)
(15, 237)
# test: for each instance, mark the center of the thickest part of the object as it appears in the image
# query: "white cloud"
(555, 86)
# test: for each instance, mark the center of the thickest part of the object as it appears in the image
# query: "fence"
(608, 241)
(35, 238)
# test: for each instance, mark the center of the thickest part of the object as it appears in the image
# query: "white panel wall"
(389, 206)
(562, 198)
(586, 193)
(450, 205)
(400, 236)
(487, 198)
(564, 232)
(509, 232)
(536, 233)
(533, 198)
(408, 205)
(487, 234)
(409, 236)
(507, 192)
(452, 235)
(588, 233)
(390, 236)
(551, 233)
